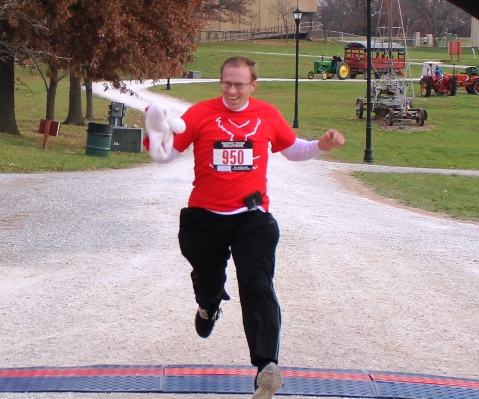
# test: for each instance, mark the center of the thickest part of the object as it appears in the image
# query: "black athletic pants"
(207, 240)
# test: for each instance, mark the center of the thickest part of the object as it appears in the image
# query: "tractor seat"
(472, 71)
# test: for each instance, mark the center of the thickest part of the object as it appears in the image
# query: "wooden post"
(46, 133)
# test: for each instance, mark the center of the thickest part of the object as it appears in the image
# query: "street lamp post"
(368, 152)
(297, 18)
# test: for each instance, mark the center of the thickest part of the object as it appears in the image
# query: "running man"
(227, 213)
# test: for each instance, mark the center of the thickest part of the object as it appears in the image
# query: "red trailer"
(384, 58)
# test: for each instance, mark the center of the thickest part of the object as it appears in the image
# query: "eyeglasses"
(237, 85)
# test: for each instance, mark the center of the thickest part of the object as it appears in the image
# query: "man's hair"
(238, 62)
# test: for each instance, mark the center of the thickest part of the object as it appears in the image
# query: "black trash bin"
(98, 140)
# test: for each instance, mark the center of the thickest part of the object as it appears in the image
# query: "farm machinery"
(391, 90)
(433, 79)
(390, 102)
(384, 57)
(328, 68)
(468, 79)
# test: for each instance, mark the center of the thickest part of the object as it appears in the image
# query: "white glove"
(160, 131)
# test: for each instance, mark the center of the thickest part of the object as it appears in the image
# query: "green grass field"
(449, 140)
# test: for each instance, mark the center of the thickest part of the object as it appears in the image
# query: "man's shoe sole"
(269, 382)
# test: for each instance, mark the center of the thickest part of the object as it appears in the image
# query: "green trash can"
(98, 140)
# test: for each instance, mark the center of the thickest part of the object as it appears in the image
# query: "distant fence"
(273, 32)
(310, 30)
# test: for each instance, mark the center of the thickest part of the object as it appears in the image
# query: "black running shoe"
(206, 318)
(205, 321)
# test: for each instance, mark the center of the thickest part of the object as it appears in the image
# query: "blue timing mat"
(234, 380)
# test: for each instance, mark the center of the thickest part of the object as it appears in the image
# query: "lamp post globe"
(297, 19)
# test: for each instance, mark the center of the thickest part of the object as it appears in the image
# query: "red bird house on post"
(454, 47)
(48, 128)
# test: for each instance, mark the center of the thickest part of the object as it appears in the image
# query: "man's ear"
(254, 85)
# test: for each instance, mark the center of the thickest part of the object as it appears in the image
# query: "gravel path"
(90, 273)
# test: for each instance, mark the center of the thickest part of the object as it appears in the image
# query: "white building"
(475, 32)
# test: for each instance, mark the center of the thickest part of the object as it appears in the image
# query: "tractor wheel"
(359, 108)
(324, 75)
(452, 87)
(352, 76)
(342, 70)
(425, 87)
(468, 89)
(421, 116)
(310, 75)
(475, 87)
(389, 118)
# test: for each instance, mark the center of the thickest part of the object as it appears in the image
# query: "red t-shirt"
(231, 151)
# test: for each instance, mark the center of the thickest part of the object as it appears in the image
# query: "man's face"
(236, 86)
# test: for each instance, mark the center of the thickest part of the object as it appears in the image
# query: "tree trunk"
(51, 94)
(8, 122)
(75, 112)
(89, 99)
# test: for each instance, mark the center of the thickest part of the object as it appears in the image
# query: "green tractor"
(327, 69)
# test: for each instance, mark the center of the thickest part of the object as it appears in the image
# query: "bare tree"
(346, 15)
(223, 10)
(433, 16)
(437, 17)
(284, 10)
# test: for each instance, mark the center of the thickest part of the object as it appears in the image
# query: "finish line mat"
(234, 380)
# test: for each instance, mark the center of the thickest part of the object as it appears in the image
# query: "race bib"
(233, 156)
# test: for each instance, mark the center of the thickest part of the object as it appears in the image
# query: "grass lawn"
(65, 152)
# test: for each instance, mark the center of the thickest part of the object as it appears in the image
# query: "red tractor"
(434, 79)
(468, 79)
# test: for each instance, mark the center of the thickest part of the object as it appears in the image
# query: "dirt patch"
(407, 128)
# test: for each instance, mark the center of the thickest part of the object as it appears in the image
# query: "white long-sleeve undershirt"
(301, 150)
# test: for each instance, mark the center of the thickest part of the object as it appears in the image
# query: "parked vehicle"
(327, 69)
(468, 79)
(433, 78)
(385, 57)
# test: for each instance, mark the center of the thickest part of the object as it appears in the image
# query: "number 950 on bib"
(233, 156)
